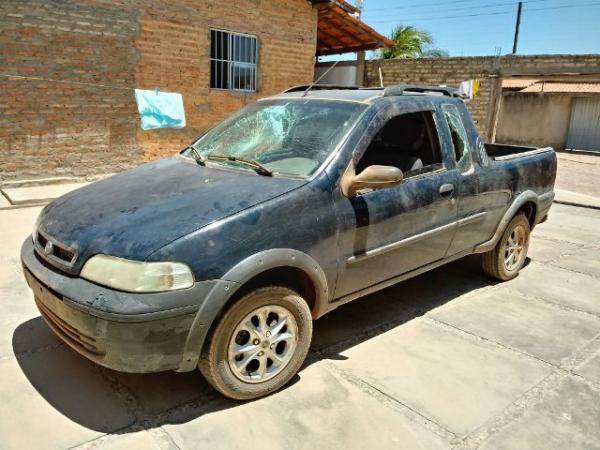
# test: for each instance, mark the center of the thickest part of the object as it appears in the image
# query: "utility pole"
(360, 56)
(517, 27)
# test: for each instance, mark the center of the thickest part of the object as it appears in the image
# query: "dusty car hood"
(135, 213)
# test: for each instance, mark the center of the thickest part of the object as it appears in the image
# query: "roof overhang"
(551, 86)
(339, 31)
(563, 88)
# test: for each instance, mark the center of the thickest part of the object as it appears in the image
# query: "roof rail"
(319, 87)
(401, 89)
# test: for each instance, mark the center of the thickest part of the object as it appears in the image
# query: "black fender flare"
(517, 203)
(234, 279)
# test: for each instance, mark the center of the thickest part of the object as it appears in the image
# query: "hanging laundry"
(160, 109)
(469, 88)
(476, 87)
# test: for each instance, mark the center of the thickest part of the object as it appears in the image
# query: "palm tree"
(411, 43)
(435, 52)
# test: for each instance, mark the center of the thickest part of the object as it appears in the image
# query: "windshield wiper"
(196, 155)
(260, 168)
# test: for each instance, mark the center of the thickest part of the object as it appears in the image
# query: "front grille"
(57, 250)
(67, 331)
(41, 239)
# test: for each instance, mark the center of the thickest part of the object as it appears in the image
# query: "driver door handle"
(446, 190)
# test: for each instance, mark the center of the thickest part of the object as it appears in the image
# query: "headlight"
(137, 276)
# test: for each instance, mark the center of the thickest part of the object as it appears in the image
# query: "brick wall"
(70, 108)
(489, 69)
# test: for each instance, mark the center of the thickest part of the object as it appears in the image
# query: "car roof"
(370, 95)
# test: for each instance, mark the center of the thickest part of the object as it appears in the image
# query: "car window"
(290, 137)
(408, 142)
(460, 141)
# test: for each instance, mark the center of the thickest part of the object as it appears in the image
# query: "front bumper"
(123, 331)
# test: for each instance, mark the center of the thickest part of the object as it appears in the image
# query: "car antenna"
(310, 86)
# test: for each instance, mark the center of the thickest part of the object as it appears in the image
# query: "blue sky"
(480, 27)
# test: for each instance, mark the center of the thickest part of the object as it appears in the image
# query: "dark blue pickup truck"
(220, 257)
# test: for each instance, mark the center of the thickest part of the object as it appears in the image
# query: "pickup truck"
(220, 257)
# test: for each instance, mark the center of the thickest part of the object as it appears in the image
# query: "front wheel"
(259, 344)
(510, 254)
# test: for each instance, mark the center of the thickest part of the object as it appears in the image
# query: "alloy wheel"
(514, 248)
(262, 344)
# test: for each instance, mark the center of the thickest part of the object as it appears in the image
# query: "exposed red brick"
(54, 126)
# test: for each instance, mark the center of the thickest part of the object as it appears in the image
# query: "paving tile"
(558, 285)
(36, 194)
(442, 285)
(22, 327)
(544, 250)
(15, 226)
(22, 336)
(564, 233)
(142, 440)
(586, 261)
(576, 198)
(351, 320)
(568, 417)
(590, 369)
(321, 410)
(456, 381)
(158, 392)
(400, 303)
(56, 399)
(570, 224)
(532, 326)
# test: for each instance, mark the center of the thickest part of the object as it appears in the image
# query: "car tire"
(510, 253)
(259, 344)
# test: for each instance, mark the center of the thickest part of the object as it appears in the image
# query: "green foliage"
(411, 43)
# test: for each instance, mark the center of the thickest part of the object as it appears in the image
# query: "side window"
(460, 140)
(409, 142)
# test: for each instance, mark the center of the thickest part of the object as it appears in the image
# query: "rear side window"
(460, 141)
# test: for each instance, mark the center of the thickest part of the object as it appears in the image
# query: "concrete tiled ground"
(538, 329)
(446, 360)
(566, 417)
(452, 379)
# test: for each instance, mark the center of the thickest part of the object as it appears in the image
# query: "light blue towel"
(160, 109)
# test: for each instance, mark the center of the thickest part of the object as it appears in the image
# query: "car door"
(479, 207)
(388, 232)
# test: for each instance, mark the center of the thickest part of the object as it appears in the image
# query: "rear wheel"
(510, 254)
(259, 344)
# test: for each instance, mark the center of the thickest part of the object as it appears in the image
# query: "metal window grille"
(233, 59)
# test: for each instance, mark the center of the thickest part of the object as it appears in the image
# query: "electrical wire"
(493, 5)
(420, 5)
(562, 7)
(525, 10)
(461, 16)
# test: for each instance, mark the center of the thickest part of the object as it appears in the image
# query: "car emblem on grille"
(48, 248)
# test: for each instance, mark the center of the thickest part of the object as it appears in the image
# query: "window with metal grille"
(232, 61)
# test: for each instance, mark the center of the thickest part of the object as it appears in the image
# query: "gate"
(584, 130)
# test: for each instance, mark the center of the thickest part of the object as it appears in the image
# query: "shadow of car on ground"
(108, 401)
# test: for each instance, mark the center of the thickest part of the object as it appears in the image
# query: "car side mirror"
(372, 177)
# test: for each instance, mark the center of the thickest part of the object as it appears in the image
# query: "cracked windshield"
(290, 138)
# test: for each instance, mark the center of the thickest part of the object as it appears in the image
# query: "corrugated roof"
(516, 83)
(582, 88)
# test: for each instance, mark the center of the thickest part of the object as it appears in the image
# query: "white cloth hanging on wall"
(160, 109)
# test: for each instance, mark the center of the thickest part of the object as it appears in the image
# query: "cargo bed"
(500, 152)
